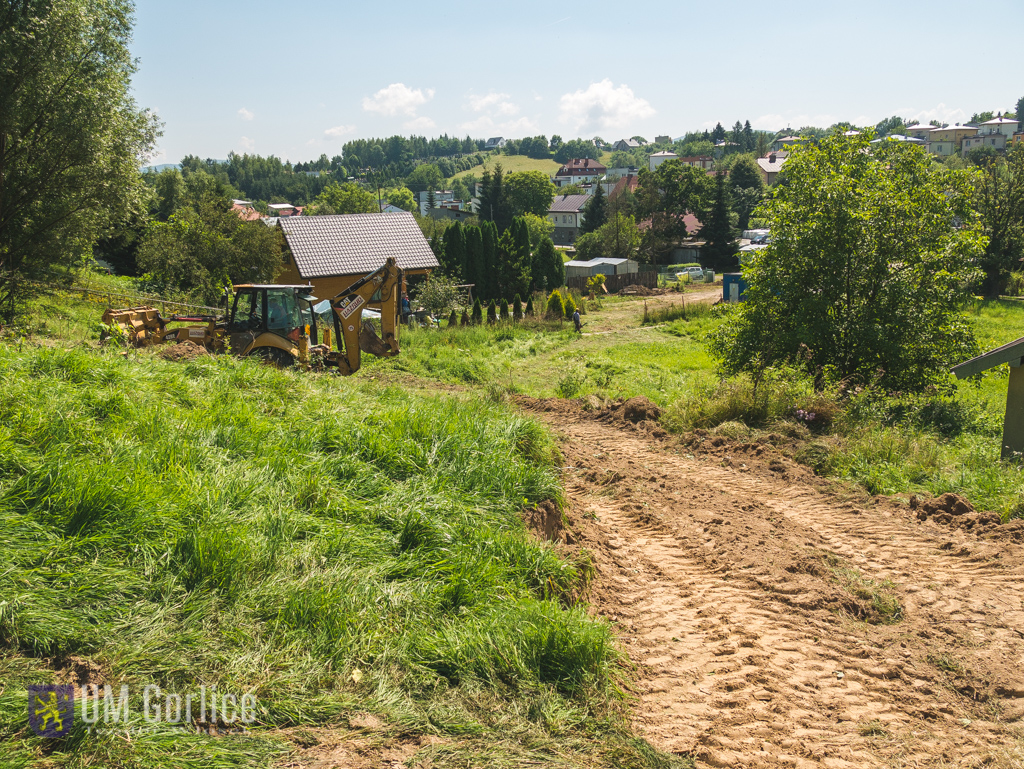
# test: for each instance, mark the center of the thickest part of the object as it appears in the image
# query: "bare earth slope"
(758, 608)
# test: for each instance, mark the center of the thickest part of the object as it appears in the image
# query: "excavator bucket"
(141, 325)
(370, 342)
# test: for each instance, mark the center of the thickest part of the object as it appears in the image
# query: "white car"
(694, 274)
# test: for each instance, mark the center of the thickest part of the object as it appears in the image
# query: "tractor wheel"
(273, 356)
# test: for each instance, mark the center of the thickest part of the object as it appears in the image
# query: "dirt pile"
(956, 512)
(639, 409)
(183, 351)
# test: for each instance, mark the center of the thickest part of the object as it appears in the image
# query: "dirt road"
(774, 621)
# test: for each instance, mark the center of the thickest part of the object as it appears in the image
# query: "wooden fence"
(616, 282)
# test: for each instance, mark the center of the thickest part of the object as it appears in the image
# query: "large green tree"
(529, 192)
(867, 271)
(665, 196)
(71, 136)
(494, 199)
(746, 188)
(595, 213)
(720, 245)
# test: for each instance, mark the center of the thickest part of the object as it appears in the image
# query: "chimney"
(771, 158)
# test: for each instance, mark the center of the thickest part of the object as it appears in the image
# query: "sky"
(299, 79)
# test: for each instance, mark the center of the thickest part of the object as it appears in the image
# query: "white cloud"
(421, 123)
(494, 103)
(247, 144)
(942, 113)
(396, 99)
(245, 114)
(338, 131)
(602, 106)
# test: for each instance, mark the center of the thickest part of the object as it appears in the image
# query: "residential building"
(920, 131)
(566, 213)
(245, 210)
(658, 158)
(283, 209)
(625, 145)
(770, 166)
(947, 140)
(662, 139)
(996, 141)
(332, 252)
(1001, 125)
(704, 162)
(441, 197)
(578, 171)
(784, 141)
(495, 143)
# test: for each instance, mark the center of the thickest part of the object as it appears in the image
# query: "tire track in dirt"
(720, 573)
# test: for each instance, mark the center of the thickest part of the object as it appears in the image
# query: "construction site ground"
(773, 618)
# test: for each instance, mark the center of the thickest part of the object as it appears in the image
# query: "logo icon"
(51, 709)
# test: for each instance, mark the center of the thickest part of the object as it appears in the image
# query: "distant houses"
(579, 171)
(566, 213)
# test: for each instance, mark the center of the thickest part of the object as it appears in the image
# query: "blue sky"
(299, 79)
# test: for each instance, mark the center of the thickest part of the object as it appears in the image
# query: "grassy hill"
(512, 163)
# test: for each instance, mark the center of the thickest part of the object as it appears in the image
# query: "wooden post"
(1013, 423)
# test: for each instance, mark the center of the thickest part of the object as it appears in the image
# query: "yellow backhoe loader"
(285, 325)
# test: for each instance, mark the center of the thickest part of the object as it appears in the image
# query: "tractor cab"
(270, 316)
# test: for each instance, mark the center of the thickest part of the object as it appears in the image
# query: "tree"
(576, 148)
(1000, 202)
(556, 142)
(589, 246)
(71, 136)
(424, 178)
(749, 140)
(348, 198)
(170, 193)
(201, 249)
(473, 266)
(1019, 113)
(548, 269)
(595, 213)
(719, 240)
(494, 201)
(866, 272)
(401, 197)
(454, 251)
(439, 295)
(666, 196)
(490, 274)
(539, 227)
(620, 237)
(891, 125)
(747, 188)
(514, 261)
(718, 134)
(529, 192)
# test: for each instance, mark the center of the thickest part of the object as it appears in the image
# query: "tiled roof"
(355, 244)
(769, 167)
(569, 203)
(581, 164)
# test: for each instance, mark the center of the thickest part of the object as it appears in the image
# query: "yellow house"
(332, 252)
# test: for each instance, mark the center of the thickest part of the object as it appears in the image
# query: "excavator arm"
(378, 290)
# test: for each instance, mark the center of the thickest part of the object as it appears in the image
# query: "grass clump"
(884, 606)
(672, 312)
(328, 545)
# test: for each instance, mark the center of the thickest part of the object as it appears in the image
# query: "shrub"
(568, 305)
(453, 319)
(503, 310)
(595, 283)
(529, 307)
(556, 306)
(465, 317)
(478, 313)
(492, 313)
(517, 308)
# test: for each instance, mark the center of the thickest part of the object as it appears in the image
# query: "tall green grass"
(327, 544)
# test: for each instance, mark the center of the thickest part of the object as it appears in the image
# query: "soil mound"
(635, 291)
(639, 409)
(183, 351)
(956, 512)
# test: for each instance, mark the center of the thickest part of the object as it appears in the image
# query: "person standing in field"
(576, 320)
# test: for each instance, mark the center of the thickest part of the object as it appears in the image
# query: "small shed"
(733, 287)
(1013, 422)
(602, 266)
